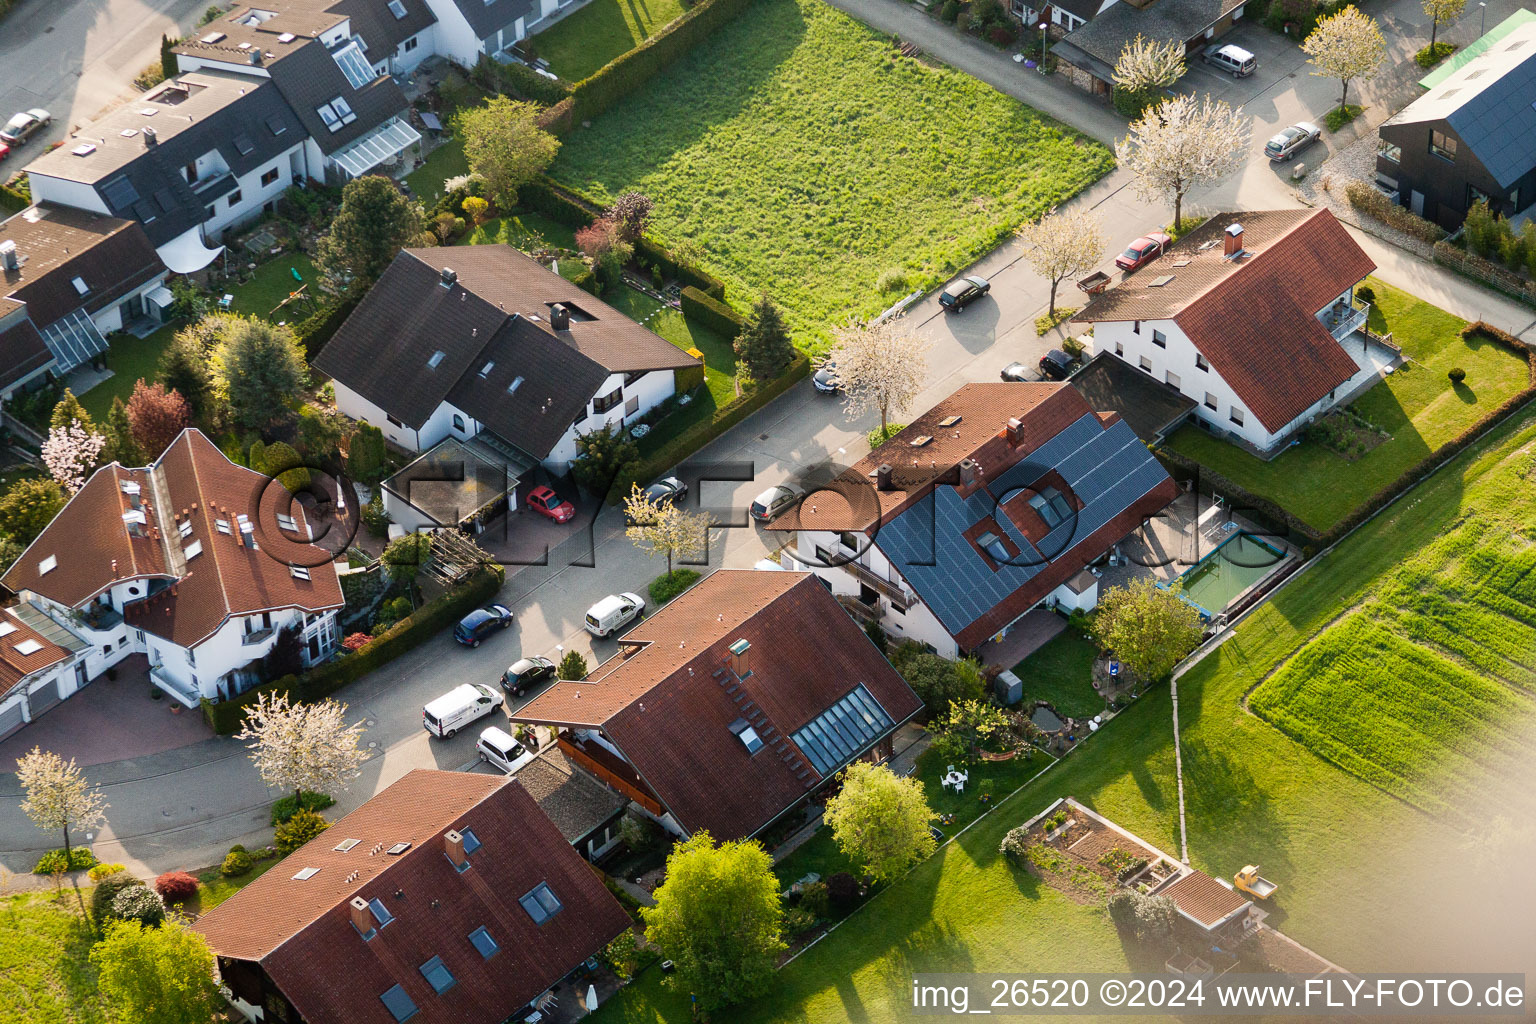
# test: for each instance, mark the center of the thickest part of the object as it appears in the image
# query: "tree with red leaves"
(156, 416)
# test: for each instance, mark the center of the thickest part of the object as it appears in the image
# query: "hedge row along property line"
(711, 312)
(1409, 477)
(10, 199)
(314, 331)
(1499, 278)
(627, 73)
(226, 716)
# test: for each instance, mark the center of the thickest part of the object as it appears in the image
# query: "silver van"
(614, 612)
(460, 706)
(498, 749)
(1233, 59)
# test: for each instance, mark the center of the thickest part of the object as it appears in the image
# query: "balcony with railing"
(186, 694)
(256, 636)
(1343, 318)
(900, 597)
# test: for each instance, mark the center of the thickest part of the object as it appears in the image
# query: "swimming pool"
(1229, 572)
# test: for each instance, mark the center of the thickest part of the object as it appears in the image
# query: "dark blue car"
(475, 626)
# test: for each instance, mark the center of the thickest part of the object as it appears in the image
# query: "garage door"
(10, 718)
(43, 698)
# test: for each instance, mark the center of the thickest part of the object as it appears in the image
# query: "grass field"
(1061, 672)
(579, 44)
(270, 285)
(1417, 405)
(444, 162)
(522, 231)
(808, 160)
(45, 977)
(1366, 879)
(128, 358)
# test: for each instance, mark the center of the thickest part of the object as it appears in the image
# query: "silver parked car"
(23, 126)
(1289, 141)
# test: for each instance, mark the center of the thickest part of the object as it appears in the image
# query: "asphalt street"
(184, 807)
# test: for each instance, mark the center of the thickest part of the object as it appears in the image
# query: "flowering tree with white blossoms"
(1346, 46)
(57, 795)
(302, 746)
(1181, 143)
(1146, 64)
(880, 366)
(1059, 245)
(70, 453)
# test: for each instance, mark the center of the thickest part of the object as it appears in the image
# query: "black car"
(525, 674)
(1056, 365)
(825, 381)
(963, 291)
(669, 490)
(1016, 373)
(478, 624)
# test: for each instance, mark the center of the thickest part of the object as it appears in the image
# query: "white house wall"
(650, 391)
(407, 57)
(352, 404)
(110, 318)
(455, 39)
(81, 196)
(253, 195)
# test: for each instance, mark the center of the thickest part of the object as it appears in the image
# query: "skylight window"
(329, 117)
(7, 628)
(305, 874)
(485, 371)
(299, 572)
(345, 845)
(28, 647)
(354, 65)
(992, 544)
(1053, 508)
(80, 286)
(483, 943)
(47, 565)
(244, 145)
(287, 522)
(222, 525)
(192, 550)
(287, 37)
(437, 357)
(398, 849)
(397, 9)
(835, 737)
(541, 904)
(438, 975)
(84, 149)
(381, 914)
(749, 738)
(517, 382)
(398, 1004)
(471, 841)
(184, 528)
(275, 125)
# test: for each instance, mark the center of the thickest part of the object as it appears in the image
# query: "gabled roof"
(1473, 50)
(1204, 900)
(484, 325)
(576, 802)
(24, 652)
(22, 351)
(310, 77)
(1488, 102)
(670, 700)
(379, 28)
(1255, 318)
(485, 17)
(1106, 35)
(58, 244)
(89, 547)
(300, 930)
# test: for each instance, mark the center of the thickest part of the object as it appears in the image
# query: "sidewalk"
(1450, 291)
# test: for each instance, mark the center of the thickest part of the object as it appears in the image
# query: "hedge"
(558, 203)
(686, 378)
(625, 74)
(12, 200)
(712, 313)
(226, 716)
(1495, 276)
(318, 329)
(1369, 200)
(521, 81)
(648, 251)
(700, 434)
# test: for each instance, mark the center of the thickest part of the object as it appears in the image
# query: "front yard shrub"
(878, 436)
(668, 585)
(106, 891)
(814, 899)
(101, 871)
(1047, 322)
(284, 808)
(710, 312)
(298, 830)
(949, 12)
(1456, 374)
(798, 920)
(843, 893)
(367, 455)
(236, 863)
(176, 886)
(1365, 293)
(1368, 199)
(1429, 56)
(1338, 117)
(1015, 844)
(79, 859)
(139, 903)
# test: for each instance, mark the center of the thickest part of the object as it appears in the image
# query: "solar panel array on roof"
(120, 193)
(1106, 469)
(832, 738)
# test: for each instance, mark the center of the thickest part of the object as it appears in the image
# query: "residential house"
(1471, 138)
(1098, 33)
(988, 505)
(585, 811)
(496, 348)
(447, 897)
(731, 705)
(40, 662)
(68, 278)
(194, 561)
(470, 29)
(1252, 316)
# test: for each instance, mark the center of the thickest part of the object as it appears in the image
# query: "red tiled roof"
(16, 666)
(1204, 899)
(301, 932)
(94, 550)
(666, 708)
(1254, 319)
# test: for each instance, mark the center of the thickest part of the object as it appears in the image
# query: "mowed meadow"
(796, 153)
(1427, 687)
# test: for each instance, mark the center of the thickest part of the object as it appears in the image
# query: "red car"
(5, 151)
(547, 503)
(1142, 251)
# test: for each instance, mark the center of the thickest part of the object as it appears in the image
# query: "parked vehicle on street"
(1143, 251)
(24, 125)
(963, 291)
(614, 612)
(770, 504)
(1016, 373)
(1234, 60)
(460, 706)
(1288, 141)
(546, 502)
(526, 673)
(5, 151)
(498, 749)
(825, 380)
(669, 490)
(480, 623)
(1056, 365)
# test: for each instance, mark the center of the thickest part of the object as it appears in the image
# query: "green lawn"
(805, 159)
(270, 284)
(213, 888)
(578, 45)
(523, 231)
(1061, 673)
(444, 162)
(1417, 405)
(129, 359)
(1366, 879)
(45, 977)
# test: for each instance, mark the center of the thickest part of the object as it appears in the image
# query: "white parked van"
(498, 749)
(614, 612)
(458, 707)
(1232, 59)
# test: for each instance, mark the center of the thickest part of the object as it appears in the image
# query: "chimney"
(1015, 432)
(741, 658)
(968, 473)
(559, 317)
(1232, 240)
(449, 278)
(362, 917)
(883, 477)
(453, 846)
(255, 57)
(8, 256)
(151, 139)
